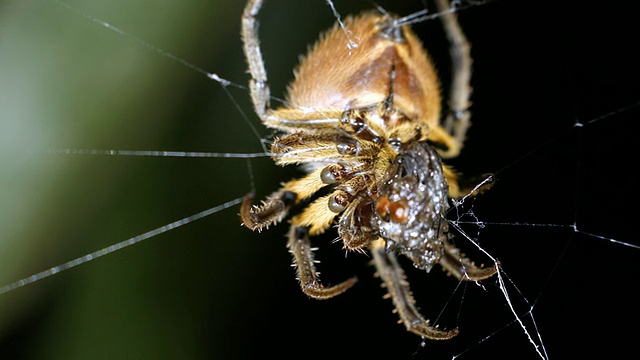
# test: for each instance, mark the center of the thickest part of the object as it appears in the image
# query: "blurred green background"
(215, 290)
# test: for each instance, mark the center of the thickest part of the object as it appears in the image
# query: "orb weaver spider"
(365, 121)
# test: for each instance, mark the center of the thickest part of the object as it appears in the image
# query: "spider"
(365, 121)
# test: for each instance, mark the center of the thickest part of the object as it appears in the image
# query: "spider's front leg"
(273, 210)
(393, 279)
(259, 89)
(277, 205)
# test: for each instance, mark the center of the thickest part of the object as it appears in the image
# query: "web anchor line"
(154, 153)
(116, 247)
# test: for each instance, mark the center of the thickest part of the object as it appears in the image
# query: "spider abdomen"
(336, 75)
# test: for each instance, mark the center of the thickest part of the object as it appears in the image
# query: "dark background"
(213, 289)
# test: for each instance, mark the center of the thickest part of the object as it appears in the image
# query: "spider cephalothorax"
(365, 121)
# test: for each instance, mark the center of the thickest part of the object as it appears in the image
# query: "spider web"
(551, 119)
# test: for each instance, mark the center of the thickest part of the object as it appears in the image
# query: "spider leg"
(259, 88)
(463, 268)
(318, 216)
(457, 121)
(300, 147)
(452, 182)
(277, 205)
(447, 146)
(272, 211)
(355, 227)
(393, 279)
(466, 186)
(304, 261)
(290, 120)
